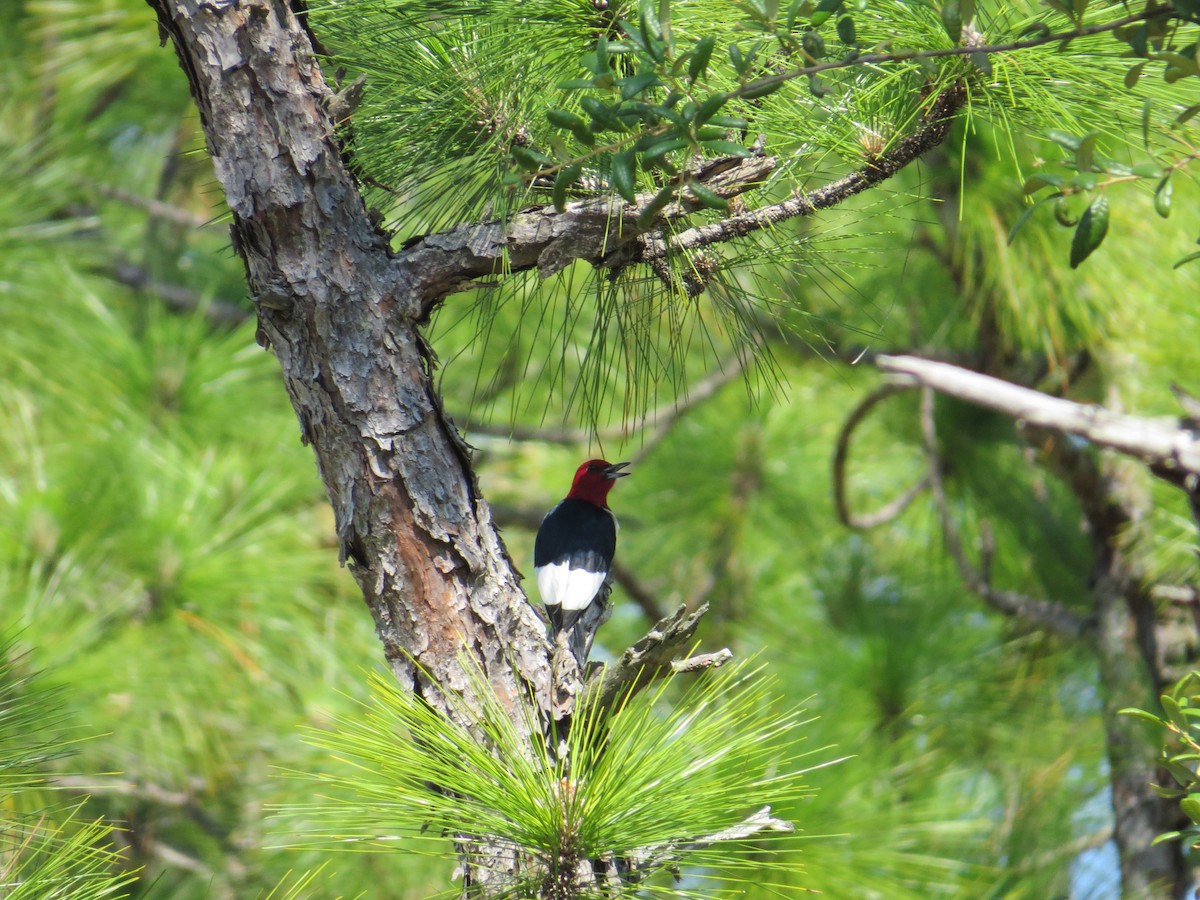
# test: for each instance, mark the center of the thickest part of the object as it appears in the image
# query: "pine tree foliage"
(473, 111)
(48, 846)
(648, 785)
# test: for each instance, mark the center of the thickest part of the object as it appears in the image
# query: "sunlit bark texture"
(341, 316)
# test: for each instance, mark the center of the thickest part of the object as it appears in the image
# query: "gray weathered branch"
(649, 658)
(594, 230)
(1157, 442)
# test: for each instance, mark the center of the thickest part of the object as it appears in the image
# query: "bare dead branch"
(646, 660)
(661, 419)
(157, 208)
(1158, 442)
(702, 661)
(891, 510)
(664, 855)
(1036, 611)
(177, 297)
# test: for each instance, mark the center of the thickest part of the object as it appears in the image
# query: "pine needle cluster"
(646, 788)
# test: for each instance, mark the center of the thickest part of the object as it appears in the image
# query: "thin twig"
(892, 509)
(662, 418)
(967, 48)
(1044, 613)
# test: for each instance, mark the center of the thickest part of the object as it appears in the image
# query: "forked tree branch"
(663, 649)
(604, 230)
(541, 237)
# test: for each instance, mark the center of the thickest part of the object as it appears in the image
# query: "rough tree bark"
(342, 318)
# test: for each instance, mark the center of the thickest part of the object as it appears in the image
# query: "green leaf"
(661, 199)
(624, 166)
(700, 58)
(1171, 707)
(657, 151)
(846, 31)
(1187, 114)
(561, 118)
(1089, 234)
(751, 92)
(1190, 805)
(636, 84)
(1135, 713)
(528, 159)
(824, 10)
(1191, 257)
(1166, 836)
(1134, 73)
(1085, 152)
(1112, 167)
(566, 177)
(1181, 773)
(735, 122)
(709, 107)
(1060, 7)
(602, 115)
(1146, 123)
(1148, 170)
(1084, 181)
(798, 9)
(1036, 182)
(1069, 141)
(1167, 793)
(1063, 214)
(1162, 197)
(727, 148)
(708, 197)
(737, 58)
(813, 44)
(1024, 217)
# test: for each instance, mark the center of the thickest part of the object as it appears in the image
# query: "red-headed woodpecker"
(573, 552)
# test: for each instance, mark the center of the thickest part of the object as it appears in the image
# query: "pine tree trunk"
(343, 316)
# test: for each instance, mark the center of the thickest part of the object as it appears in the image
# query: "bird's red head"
(594, 479)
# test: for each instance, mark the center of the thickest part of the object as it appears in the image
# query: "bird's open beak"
(613, 472)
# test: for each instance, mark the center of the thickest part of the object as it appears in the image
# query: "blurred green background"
(169, 583)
